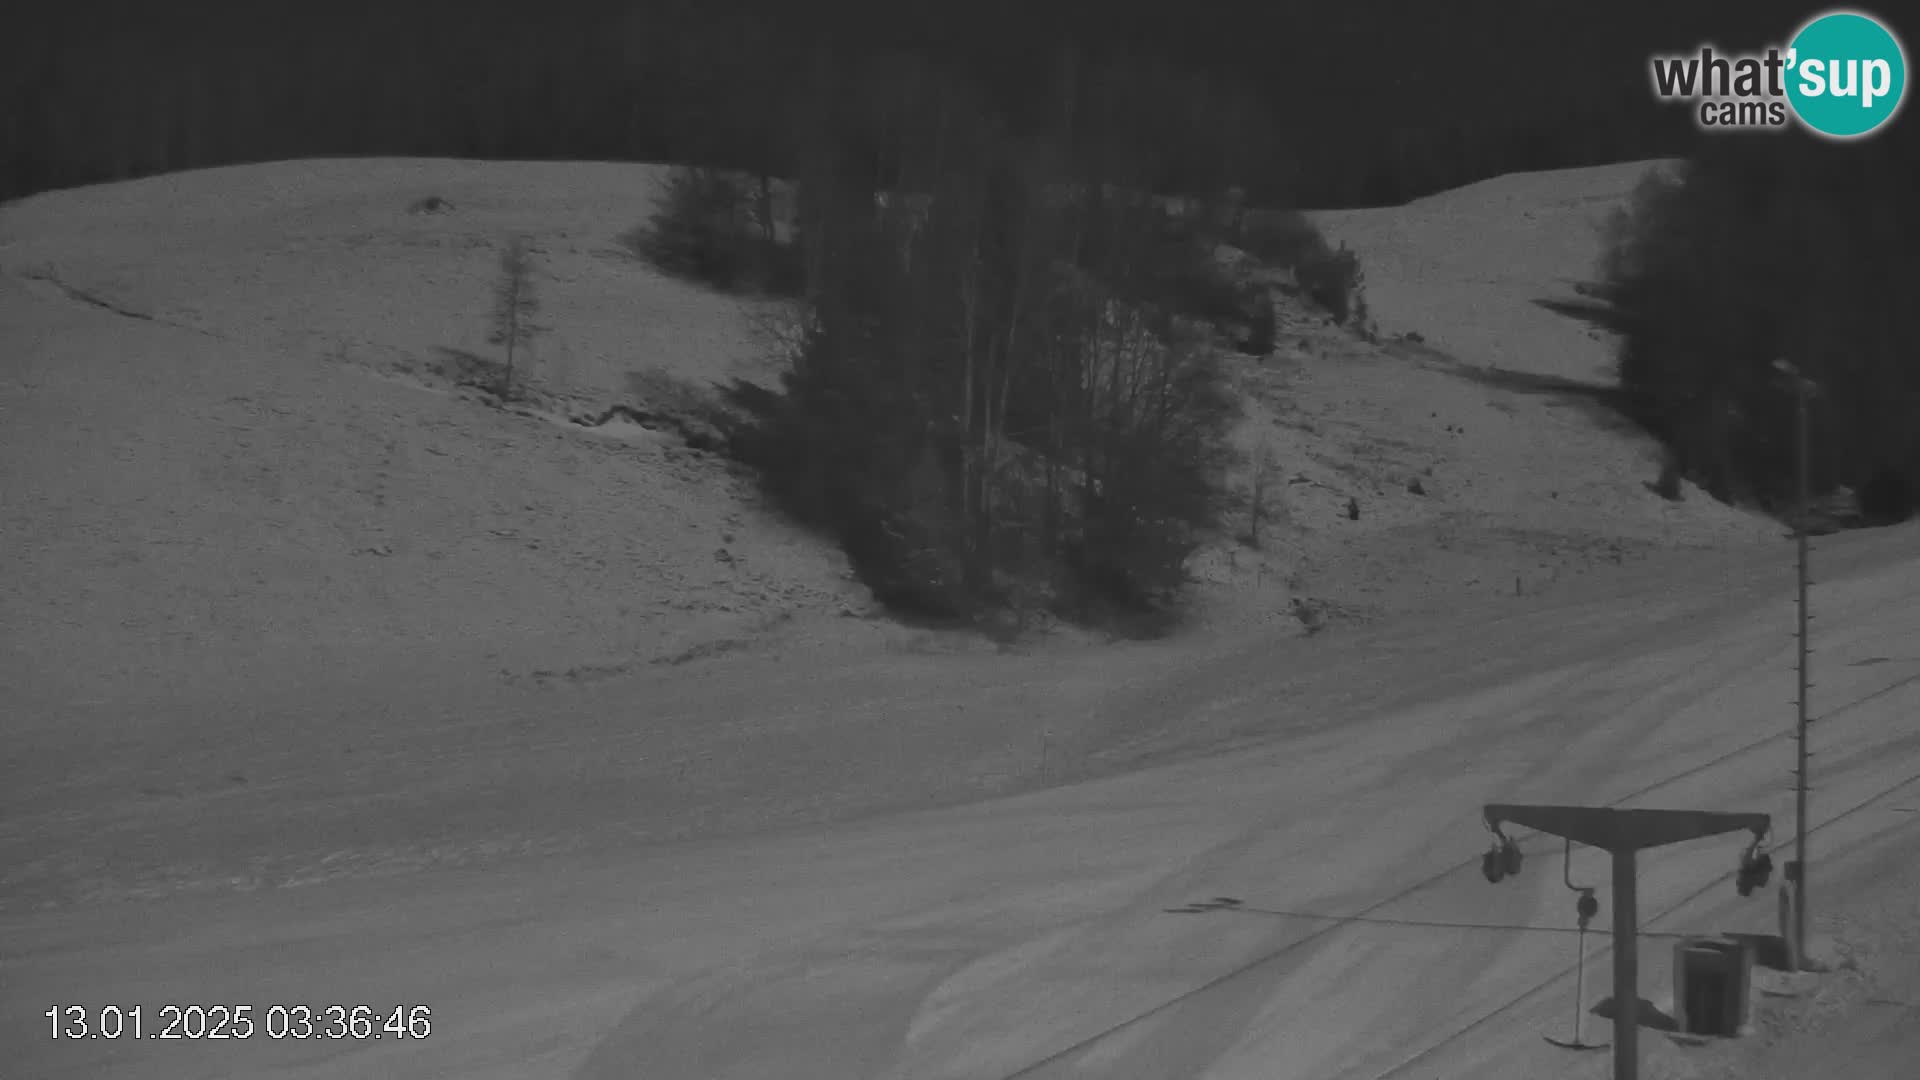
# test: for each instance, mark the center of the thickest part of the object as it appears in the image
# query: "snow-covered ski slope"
(1029, 936)
(326, 686)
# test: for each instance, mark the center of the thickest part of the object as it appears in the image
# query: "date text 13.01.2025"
(240, 1021)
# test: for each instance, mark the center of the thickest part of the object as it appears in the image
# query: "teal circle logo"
(1847, 74)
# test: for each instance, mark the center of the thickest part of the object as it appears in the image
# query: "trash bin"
(1712, 985)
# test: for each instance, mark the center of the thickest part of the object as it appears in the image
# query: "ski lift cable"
(1529, 993)
(1179, 999)
(1396, 897)
(1433, 924)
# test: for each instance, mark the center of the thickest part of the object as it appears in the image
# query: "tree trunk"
(765, 207)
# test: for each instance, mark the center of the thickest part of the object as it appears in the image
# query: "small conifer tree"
(514, 306)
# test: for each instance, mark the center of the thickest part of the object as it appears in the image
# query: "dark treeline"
(1363, 102)
(1771, 248)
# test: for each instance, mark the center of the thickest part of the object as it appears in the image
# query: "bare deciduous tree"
(1005, 394)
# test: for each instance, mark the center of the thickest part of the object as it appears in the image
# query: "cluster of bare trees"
(1773, 247)
(1007, 395)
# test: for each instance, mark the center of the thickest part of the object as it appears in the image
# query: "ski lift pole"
(1800, 702)
(1803, 388)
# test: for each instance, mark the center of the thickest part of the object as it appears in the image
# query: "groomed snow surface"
(326, 682)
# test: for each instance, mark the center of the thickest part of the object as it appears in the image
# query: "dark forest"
(1359, 103)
